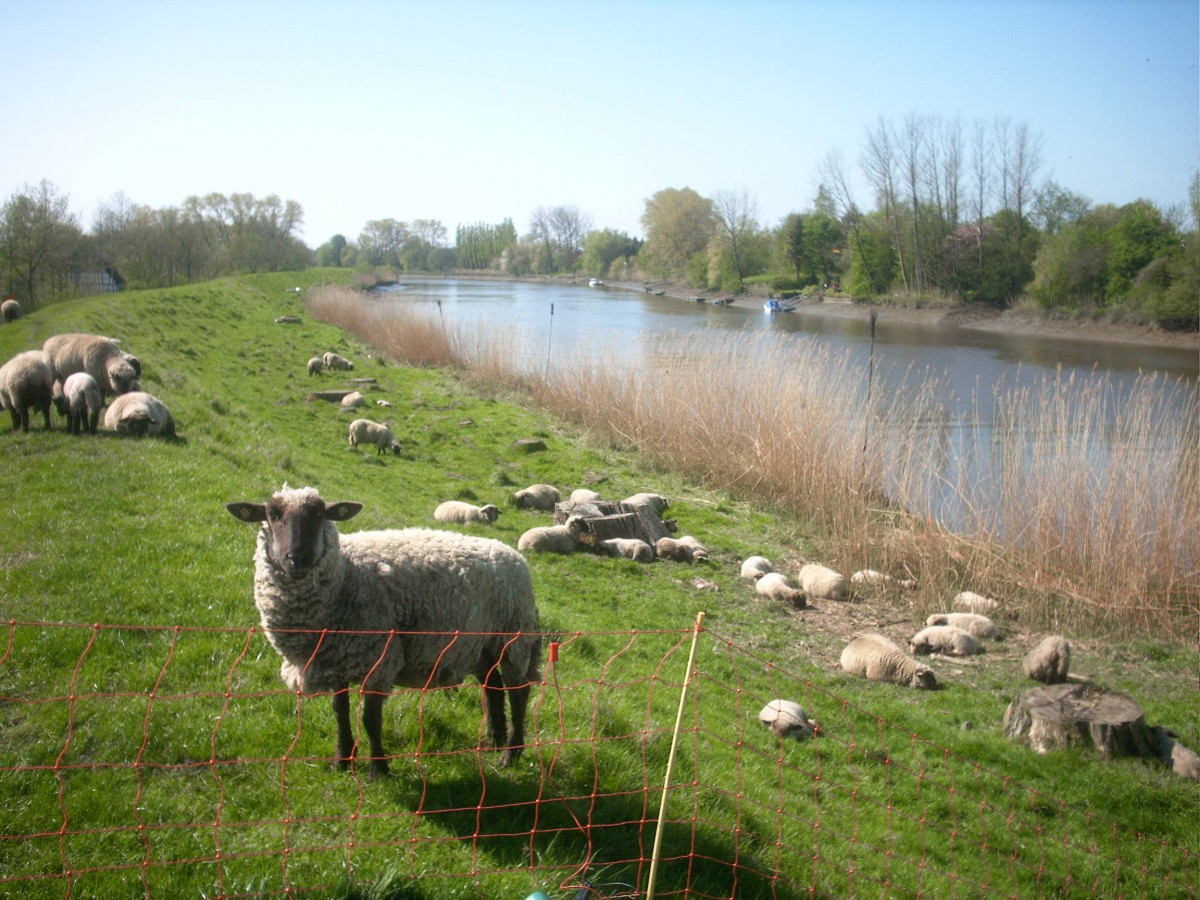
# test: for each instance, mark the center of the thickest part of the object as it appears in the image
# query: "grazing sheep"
(775, 586)
(364, 431)
(315, 365)
(874, 657)
(353, 400)
(787, 719)
(462, 513)
(80, 400)
(138, 414)
(822, 583)
(685, 549)
(754, 567)
(657, 503)
(980, 626)
(114, 370)
(334, 362)
(26, 382)
(1048, 662)
(10, 310)
(411, 607)
(630, 548)
(583, 495)
(969, 601)
(872, 578)
(945, 639)
(538, 496)
(552, 538)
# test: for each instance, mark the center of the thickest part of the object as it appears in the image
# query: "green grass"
(144, 729)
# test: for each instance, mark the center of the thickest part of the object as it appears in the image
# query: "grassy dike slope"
(184, 723)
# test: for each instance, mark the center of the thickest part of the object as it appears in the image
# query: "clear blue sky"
(478, 111)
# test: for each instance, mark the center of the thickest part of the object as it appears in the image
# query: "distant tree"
(677, 224)
(873, 262)
(330, 253)
(602, 248)
(380, 242)
(736, 215)
(1055, 207)
(1140, 235)
(39, 236)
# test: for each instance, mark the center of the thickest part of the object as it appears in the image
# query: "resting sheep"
(138, 414)
(876, 579)
(629, 548)
(552, 538)
(1048, 662)
(822, 582)
(353, 400)
(26, 383)
(874, 657)
(315, 365)
(364, 431)
(11, 310)
(944, 639)
(115, 371)
(80, 400)
(969, 601)
(980, 626)
(584, 495)
(684, 549)
(775, 586)
(460, 513)
(411, 607)
(656, 503)
(754, 567)
(334, 362)
(786, 718)
(538, 496)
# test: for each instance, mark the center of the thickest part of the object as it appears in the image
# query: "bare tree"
(878, 161)
(736, 213)
(569, 227)
(835, 186)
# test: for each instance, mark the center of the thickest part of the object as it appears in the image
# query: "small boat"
(595, 282)
(723, 301)
(774, 306)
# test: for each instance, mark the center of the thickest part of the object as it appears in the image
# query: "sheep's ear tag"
(340, 512)
(247, 512)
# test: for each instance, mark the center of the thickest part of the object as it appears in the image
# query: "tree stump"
(1079, 715)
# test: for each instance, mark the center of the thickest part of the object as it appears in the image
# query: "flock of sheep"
(78, 374)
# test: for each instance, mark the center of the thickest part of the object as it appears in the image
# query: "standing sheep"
(115, 371)
(775, 586)
(26, 382)
(754, 567)
(410, 607)
(364, 431)
(822, 582)
(460, 513)
(874, 657)
(538, 496)
(1048, 662)
(945, 639)
(334, 362)
(138, 414)
(315, 365)
(11, 310)
(80, 400)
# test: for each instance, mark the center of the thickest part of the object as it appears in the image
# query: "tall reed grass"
(1085, 519)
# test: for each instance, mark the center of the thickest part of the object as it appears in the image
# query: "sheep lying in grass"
(115, 371)
(875, 579)
(366, 432)
(684, 549)
(460, 513)
(26, 382)
(80, 400)
(10, 310)
(787, 719)
(754, 567)
(874, 657)
(538, 496)
(315, 365)
(1049, 662)
(354, 400)
(552, 538)
(775, 586)
(138, 414)
(629, 548)
(980, 626)
(944, 639)
(334, 362)
(656, 503)
(411, 607)
(584, 495)
(969, 601)
(822, 582)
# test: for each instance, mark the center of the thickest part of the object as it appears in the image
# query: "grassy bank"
(147, 745)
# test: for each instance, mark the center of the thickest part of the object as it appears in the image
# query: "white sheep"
(26, 382)
(334, 362)
(364, 431)
(137, 414)
(786, 718)
(584, 495)
(944, 639)
(552, 538)
(460, 513)
(980, 626)
(114, 370)
(775, 586)
(822, 582)
(876, 658)
(315, 365)
(80, 400)
(11, 310)
(656, 503)
(684, 549)
(875, 579)
(538, 496)
(754, 567)
(629, 548)
(969, 601)
(353, 400)
(1048, 662)
(411, 607)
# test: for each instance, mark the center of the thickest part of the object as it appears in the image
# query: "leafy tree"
(873, 262)
(39, 237)
(330, 253)
(1140, 235)
(677, 224)
(736, 216)
(604, 247)
(1055, 207)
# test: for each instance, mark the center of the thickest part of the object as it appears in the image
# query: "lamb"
(335, 362)
(775, 586)
(538, 496)
(1048, 662)
(754, 567)
(364, 431)
(980, 626)
(26, 382)
(786, 718)
(822, 582)
(552, 538)
(684, 549)
(315, 365)
(353, 400)
(138, 414)
(411, 607)
(630, 548)
(583, 495)
(873, 578)
(874, 657)
(969, 601)
(462, 513)
(80, 400)
(11, 310)
(945, 639)
(114, 370)
(657, 503)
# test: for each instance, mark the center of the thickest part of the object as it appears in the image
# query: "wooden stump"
(1079, 715)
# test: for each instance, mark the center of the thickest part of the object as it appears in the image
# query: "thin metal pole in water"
(550, 339)
(867, 409)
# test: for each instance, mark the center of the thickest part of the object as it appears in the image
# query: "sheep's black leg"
(372, 718)
(518, 700)
(345, 738)
(493, 691)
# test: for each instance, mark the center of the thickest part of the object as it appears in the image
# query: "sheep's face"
(489, 512)
(295, 526)
(924, 678)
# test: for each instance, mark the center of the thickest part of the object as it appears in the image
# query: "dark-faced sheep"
(137, 414)
(11, 310)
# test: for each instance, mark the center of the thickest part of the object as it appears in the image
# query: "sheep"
(114, 370)
(822, 583)
(754, 567)
(538, 496)
(775, 586)
(11, 310)
(334, 362)
(26, 382)
(656, 503)
(630, 548)
(315, 365)
(552, 538)
(969, 601)
(874, 657)
(353, 400)
(137, 414)
(583, 495)
(462, 513)
(364, 431)
(787, 719)
(873, 578)
(1048, 662)
(683, 549)
(980, 626)
(80, 400)
(945, 639)
(412, 607)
